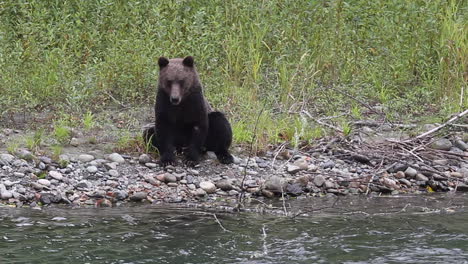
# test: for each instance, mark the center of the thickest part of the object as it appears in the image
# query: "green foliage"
(88, 121)
(85, 55)
(34, 142)
(62, 132)
(57, 150)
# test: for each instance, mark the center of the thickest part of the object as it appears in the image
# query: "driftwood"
(451, 120)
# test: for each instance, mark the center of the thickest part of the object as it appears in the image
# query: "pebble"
(405, 182)
(113, 173)
(200, 192)
(138, 196)
(116, 157)
(120, 195)
(442, 144)
(169, 177)
(275, 184)
(44, 182)
(151, 165)
(329, 185)
(224, 185)
(421, 177)
(456, 174)
(410, 172)
(399, 175)
(92, 169)
(292, 169)
(144, 158)
(328, 165)
(8, 158)
(85, 157)
(208, 186)
(461, 145)
(319, 180)
(56, 175)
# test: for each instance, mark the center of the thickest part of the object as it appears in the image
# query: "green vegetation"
(285, 56)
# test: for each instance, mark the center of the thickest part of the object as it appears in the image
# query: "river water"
(418, 229)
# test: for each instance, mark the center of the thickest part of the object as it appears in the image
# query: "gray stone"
(400, 175)
(169, 177)
(312, 168)
(144, 158)
(302, 163)
(172, 184)
(275, 184)
(151, 165)
(329, 185)
(5, 195)
(389, 183)
(319, 180)
(7, 158)
(442, 144)
(200, 192)
(441, 162)
(113, 173)
(421, 177)
(208, 186)
(456, 174)
(294, 189)
(56, 175)
(328, 165)
(24, 154)
(83, 185)
(405, 182)
(410, 172)
(9, 183)
(224, 185)
(44, 182)
(85, 157)
(292, 169)
(138, 196)
(111, 165)
(92, 169)
(120, 195)
(116, 157)
(461, 145)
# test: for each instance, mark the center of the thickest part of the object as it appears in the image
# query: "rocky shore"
(331, 167)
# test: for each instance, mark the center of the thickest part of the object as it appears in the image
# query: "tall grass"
(85, 55)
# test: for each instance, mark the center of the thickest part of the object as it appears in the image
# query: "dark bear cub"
(184, 119)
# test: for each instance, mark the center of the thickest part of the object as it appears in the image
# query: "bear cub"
(185, 121)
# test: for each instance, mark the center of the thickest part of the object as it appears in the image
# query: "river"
(407, 229)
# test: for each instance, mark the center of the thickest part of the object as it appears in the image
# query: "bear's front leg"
(164, 141)
(197, 141)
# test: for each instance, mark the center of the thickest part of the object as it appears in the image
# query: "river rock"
(24, 154)
(456, 174)
(328, 164)
(275, 184)
(92, 169)
(319, 180)
(56, 175)
(294, 189)
(410, 172)
(224, 185)
(113, 173)
(389, 183)
(44, 182)
(292, 169)
(442, 144)
(301, 163)
(116, 157)
(120, 195)
(399, 175)
(405, 182)
(461, 145)
(169, 177)
(421, 177)
(138, 196)
(144, 158)
(8, 158)
(85, 157)
(208, 186)
(200, 192)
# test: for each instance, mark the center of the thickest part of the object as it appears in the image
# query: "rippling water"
(358, 230)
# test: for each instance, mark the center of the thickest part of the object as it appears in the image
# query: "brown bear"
(184, 119)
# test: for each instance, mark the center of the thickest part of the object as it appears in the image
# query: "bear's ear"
(188, 61)
(163, 62)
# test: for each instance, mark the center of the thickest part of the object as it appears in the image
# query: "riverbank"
(380, 160)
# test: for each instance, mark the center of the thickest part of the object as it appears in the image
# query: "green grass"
(86, 56)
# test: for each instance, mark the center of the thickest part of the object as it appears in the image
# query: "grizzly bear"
(185, 121)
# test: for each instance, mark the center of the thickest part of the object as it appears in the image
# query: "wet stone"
(275, 184)
(144, 158)
(138, 196)
(116, 157)
(208, 186)
(319, 180)
(410, 172)
(85, 158)
(421, 177)
(56, 175)
(442, 144)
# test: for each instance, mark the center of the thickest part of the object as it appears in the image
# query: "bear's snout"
(175, 100)
(175, 96)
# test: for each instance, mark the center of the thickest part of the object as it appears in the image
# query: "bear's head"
(178, 78)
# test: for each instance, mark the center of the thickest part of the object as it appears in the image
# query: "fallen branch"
(457, 116)
(322, 123)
